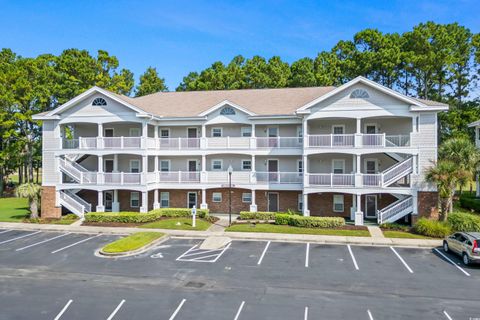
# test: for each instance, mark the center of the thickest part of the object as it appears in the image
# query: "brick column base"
(48, 208)
(427, 205)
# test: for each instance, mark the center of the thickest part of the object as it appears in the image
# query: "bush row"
(136, 217)
(309, 222)
(432, 228)
(467, 222)
(470, 202)
(261, 215)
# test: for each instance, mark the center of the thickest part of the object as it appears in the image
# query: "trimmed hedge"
(137, 217)
(394, 226)
(468, 201)
(309, 222)
(467, 222)
(432, 228)
(247, 215)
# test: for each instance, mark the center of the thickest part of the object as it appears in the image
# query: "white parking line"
(263, 253)
(74, 244)
(353, 257)
(401, 259)
(41, 242)
(116, 310)
(307, 253)
(177, 310)
(5, 231)
(63, 310)
(305, 315)
(451, 261)
(447, 315)
(239, 310)
(200, 255)
(24, 236)
(370, 317)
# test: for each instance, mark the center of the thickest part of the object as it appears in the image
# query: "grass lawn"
(13, 209)
(403, 235)
(132, 242)
(178, 224)
(273, 228)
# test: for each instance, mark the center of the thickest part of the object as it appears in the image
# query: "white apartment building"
(358, 151)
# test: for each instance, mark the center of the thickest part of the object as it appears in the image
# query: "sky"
(180, 36)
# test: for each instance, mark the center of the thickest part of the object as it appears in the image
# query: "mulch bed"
(345, 227)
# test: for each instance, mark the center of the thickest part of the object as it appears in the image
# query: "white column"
(204, 204)
(156, 161)
(415, 202)
(100, 206)
(100, 170)
(155, 135)
(156, 203)
(353, 209)
(144, 169)
(203, 138)
(253, 205)
(359, 126)
(144, 134)
(305, 132)
(358, 212)
(203, 174)
(115, 203)
(253, 139)
(305, 170)
(115, 163)
(358, 133)
(100, 136)
(306, 211)
(254, 173)
(144, 207)
(358, 171)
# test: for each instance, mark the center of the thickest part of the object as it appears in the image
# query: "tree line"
(432, 61)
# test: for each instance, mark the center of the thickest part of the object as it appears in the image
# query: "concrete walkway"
(372, 241)
(375, 232)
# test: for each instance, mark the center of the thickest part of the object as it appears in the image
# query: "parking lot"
(53, 275)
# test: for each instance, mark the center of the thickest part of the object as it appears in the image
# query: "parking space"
(246, 280)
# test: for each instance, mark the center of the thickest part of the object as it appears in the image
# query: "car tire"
(445, 246)
(465, 259)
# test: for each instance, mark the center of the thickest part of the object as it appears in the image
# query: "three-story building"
(358, 151)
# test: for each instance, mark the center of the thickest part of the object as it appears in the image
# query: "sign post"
(194, 215)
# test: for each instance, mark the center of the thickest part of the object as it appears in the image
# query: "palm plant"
(32, 192)
(447, 175)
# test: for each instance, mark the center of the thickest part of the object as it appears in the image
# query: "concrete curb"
(257, 236)
(102, 254)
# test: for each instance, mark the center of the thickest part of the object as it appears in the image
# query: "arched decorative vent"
(359, 94)
(99, 102)
(226, 111)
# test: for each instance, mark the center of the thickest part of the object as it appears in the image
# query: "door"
(108, 132)
(338, 135)
(273, 175)
(370, 206)
(191, 199)
(371, 166)
(192, 170)
(370, 129)
(108, 200)
(272, 133)
(192, 134)
(108, 167)
(273, 202)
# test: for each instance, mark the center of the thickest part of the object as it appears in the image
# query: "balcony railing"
(279, 177)
(357, 141)
(278, 142)
(331, 179)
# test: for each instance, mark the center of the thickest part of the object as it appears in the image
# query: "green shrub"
(394, 226)
(469, 202)
(309, 222)
(137, 217)
(467, 222)
(432, 228)
(70, 216)
(247, 215)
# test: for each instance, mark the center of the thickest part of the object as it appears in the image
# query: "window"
(300, 134)
(134, 132)
(299, 167)
(371, 129)
(246, 131)
(300, 202)
(338, 129)
(217, 132)
(338, 166)
(134, 166)
(99, 102)
(359, 94)
(227, 111)
(164, 199)
(246, 197)
(165, 133)
(164, 165)
(338, 203)
(217, 164)
(134, 199)
(246, 165)
(217, 197)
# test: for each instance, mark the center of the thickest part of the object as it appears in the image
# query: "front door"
(273, 202)
(108, 165)
(108, 200)
(272, 170)
(192, 141)
(192, 165)
(272, 133)
(370, 129)
(370, 206)
(108, 132)
(192, 199)
(370, 166)
(338, 135)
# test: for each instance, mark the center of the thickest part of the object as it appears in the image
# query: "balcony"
(329, 141)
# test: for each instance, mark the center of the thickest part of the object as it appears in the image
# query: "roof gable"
(223, 104)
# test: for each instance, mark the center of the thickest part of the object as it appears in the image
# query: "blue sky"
(181, 36)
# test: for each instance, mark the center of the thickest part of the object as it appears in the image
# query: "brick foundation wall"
(427, 204)
(222, 207)
(287, 200)
(48, 208)
(322, 205)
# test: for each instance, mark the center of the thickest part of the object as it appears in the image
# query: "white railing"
(179, 176)
(122, 178)
(178, 143)
(331, 179)
(69, 143)
(373, 140)
(122, 142)
(403, 207)
(372, 180)
(279, 177)
(278, 142)
(87, 143)
(331, 140)
(70, 203)
(397, 140)
(87, 206)
(397, 171)
(238, 177)
(228, 143)
(89, 178)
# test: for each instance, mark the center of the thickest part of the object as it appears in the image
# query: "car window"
(458, 236)
(468, 242)
(462, 238)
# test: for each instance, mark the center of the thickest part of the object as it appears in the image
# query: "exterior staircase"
(395, 211)
(75, 171)
(74, 203)
(397, 171)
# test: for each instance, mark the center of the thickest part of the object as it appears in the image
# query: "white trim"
(343, 202)
(160, 198)
(160, 165)
(131, 193)
(338, 126)
(370, 83)
(188, 164)
(216, 128)
(188, 197)
(139, 165)
(376, 205)
(224, 103)
(250, 164)
(343, 165)
(221, 164)
(213, 197)
(160, 133)
(111, 192)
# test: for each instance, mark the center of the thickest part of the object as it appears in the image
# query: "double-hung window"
(164, 133)
(338, 205)
(217, 132)
(300, 202)
(164, 165)
(134, 166)
(246, 131)
(217, 197)
(134, 199)
(246, 197)
(246, 165)
(217, 165)
(164, 199)
(338, 166)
